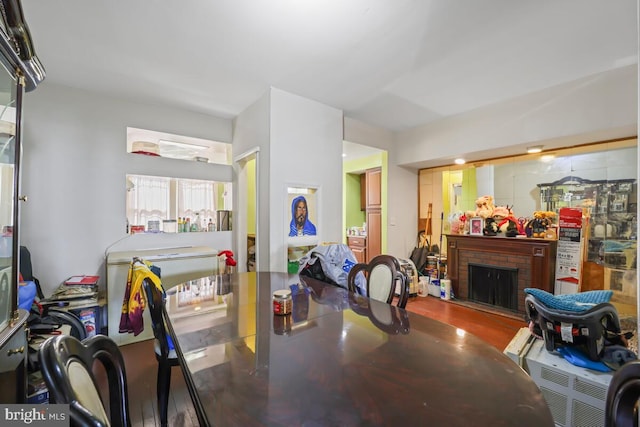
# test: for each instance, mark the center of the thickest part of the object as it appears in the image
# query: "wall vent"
(585, 415)
(557, 403)
(555, 376)
(589, 389)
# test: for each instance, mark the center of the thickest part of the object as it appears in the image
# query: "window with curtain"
(152, 198)
(197, 200)
(147, 199)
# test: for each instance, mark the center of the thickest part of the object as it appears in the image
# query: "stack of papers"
(77, 290)
(82, 280)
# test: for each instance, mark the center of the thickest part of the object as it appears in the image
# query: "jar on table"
(282, 302)
(282, 324)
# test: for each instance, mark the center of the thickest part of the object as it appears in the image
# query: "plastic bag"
(331, 264)
(26, 295)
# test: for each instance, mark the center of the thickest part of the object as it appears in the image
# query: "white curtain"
(197, 201)
(147, 199)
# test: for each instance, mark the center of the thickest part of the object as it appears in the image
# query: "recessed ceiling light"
(460, 161)
(534, 149)
(344, 154)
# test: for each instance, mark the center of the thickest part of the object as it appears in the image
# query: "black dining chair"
(67, 368)
(382, 275)
(621, 408)
(52, 318)
(163, 346)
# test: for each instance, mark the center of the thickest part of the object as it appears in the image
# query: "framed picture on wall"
(475, 226)
(303, 206)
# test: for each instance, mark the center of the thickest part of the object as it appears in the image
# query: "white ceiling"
(391, 63)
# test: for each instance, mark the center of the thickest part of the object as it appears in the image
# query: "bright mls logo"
(34, 415)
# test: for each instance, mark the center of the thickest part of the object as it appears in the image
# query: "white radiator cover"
(576, 396)
(177, 265)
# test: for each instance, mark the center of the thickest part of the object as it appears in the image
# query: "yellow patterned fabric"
(134, 299)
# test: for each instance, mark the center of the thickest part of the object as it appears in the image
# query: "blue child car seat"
(584, 319)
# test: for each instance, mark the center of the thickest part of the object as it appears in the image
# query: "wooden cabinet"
(13, 360)
(363, 191)
(373, 178)
(358, 246)
(374, 233)
(371, 203)
(374, 212)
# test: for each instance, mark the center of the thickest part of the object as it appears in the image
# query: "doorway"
(247, 169)
(364, 169)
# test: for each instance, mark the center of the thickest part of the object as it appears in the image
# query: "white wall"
(251, 130)
(300, 143)
(73, 172)
(305, 150)
(595, 108)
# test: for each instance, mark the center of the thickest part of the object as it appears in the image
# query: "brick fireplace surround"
(535, 260)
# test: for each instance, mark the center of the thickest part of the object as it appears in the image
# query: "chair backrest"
(155, 305)
(67, 368)
(382, 273)
(385, 317)
(78, 329)
(622, 396)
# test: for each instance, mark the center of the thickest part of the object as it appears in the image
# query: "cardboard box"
(39, 397)
(570, 249)
(88, 318)
(37, 391)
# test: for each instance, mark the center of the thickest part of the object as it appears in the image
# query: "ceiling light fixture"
(183, 144)
(534, 149)
(460, 161)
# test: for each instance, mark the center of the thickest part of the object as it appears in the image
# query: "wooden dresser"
(358, 245)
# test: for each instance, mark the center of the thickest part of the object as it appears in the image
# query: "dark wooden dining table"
(339, 359)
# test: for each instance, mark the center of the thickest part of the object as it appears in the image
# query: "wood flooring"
(141, 365)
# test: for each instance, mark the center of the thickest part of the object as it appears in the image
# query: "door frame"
(240, 213)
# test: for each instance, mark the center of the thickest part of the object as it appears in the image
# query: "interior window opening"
(159, 144)
(170, 205)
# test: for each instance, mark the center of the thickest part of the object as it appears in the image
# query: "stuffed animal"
(537, 226)
(484, 207)
(506, 221)
(490, 227)
(456, 222)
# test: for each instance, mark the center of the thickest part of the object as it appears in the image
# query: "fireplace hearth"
(497, 286)
(532, 261)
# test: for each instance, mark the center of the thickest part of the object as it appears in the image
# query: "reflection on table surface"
(338, 359)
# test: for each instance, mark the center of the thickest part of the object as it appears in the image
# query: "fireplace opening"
(497, 286)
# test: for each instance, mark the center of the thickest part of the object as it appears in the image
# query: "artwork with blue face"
(300, 224)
